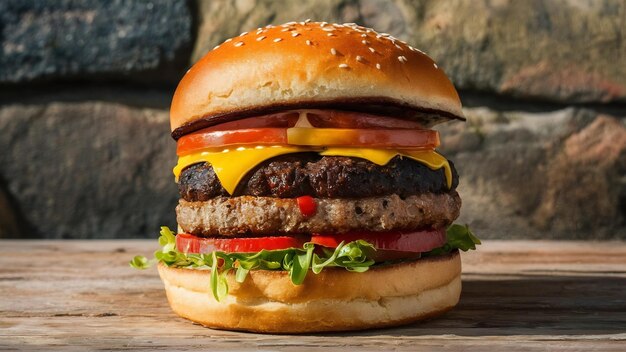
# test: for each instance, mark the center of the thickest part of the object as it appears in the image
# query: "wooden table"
(517, 296)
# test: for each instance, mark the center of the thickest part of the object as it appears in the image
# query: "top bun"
(305, 65)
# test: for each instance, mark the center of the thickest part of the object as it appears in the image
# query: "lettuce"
(352, 256)
(297, 261)
(457, 237)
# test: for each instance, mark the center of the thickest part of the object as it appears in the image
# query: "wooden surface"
(517, 296)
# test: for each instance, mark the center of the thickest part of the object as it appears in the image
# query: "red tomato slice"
(281, 119)
(323, 137)
(348, 119)
(201, 140)
(389, 245)
(188, 243)
(342, 128)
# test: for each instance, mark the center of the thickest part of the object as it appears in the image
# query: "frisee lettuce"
(352, 256)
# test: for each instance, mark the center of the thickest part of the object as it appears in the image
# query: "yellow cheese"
(231, 165)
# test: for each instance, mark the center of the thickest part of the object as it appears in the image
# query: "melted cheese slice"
(231, 165)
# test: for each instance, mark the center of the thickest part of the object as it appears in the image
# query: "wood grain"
(517, 296)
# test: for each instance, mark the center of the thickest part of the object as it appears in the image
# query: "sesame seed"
(368, 31)
(259, 31)
(228, 40)
(242, 34)
(365, 42)
(360, 58)
(378, 36)
(260, 38)
(372, 49)
(277, 40)
(328, 29)
(378, 66)
(399, 47)
(323, 24)
(215, 47)
(295, 34)
(343, 66)
(290, 23)
(402, 58)
(337, 25)
(308, 42)
(307, 20)
(385, 34)
(285, 29)
(331, 35)
(435, 65)
(363, 35)
(302, 23)
(238, 44)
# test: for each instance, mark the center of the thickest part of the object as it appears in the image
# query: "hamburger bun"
(334, 300)
(310, 65)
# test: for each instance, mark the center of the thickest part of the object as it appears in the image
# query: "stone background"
(85, 88)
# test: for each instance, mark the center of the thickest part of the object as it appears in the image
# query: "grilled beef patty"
(295, 175)
(267, 216)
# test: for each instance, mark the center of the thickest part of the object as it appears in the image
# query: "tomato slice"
(389, 245)
(212, 139)
(322, 137)
(320, 128)
(188, 243)
(349, 119)
(282, 119)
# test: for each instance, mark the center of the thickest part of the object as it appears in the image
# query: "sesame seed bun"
(304, 65)
(268, 302)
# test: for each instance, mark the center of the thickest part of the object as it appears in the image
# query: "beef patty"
(295, 175)
(263, 216)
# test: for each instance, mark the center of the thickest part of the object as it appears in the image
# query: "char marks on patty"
(295, 175)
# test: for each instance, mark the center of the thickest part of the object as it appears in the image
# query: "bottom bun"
(334, 300)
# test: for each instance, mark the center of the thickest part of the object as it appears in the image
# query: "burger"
(311, 194)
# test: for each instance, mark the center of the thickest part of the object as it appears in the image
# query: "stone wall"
(85, 87)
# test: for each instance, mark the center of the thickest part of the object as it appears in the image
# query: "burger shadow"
(527, 305)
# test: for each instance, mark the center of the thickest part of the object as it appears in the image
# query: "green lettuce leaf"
(457, 237)
(353, 256)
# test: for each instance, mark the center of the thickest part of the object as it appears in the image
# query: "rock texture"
(89, 169)
(220, 20)
(560, 50)
(9, 227)
(90, 39)
(541, 175)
